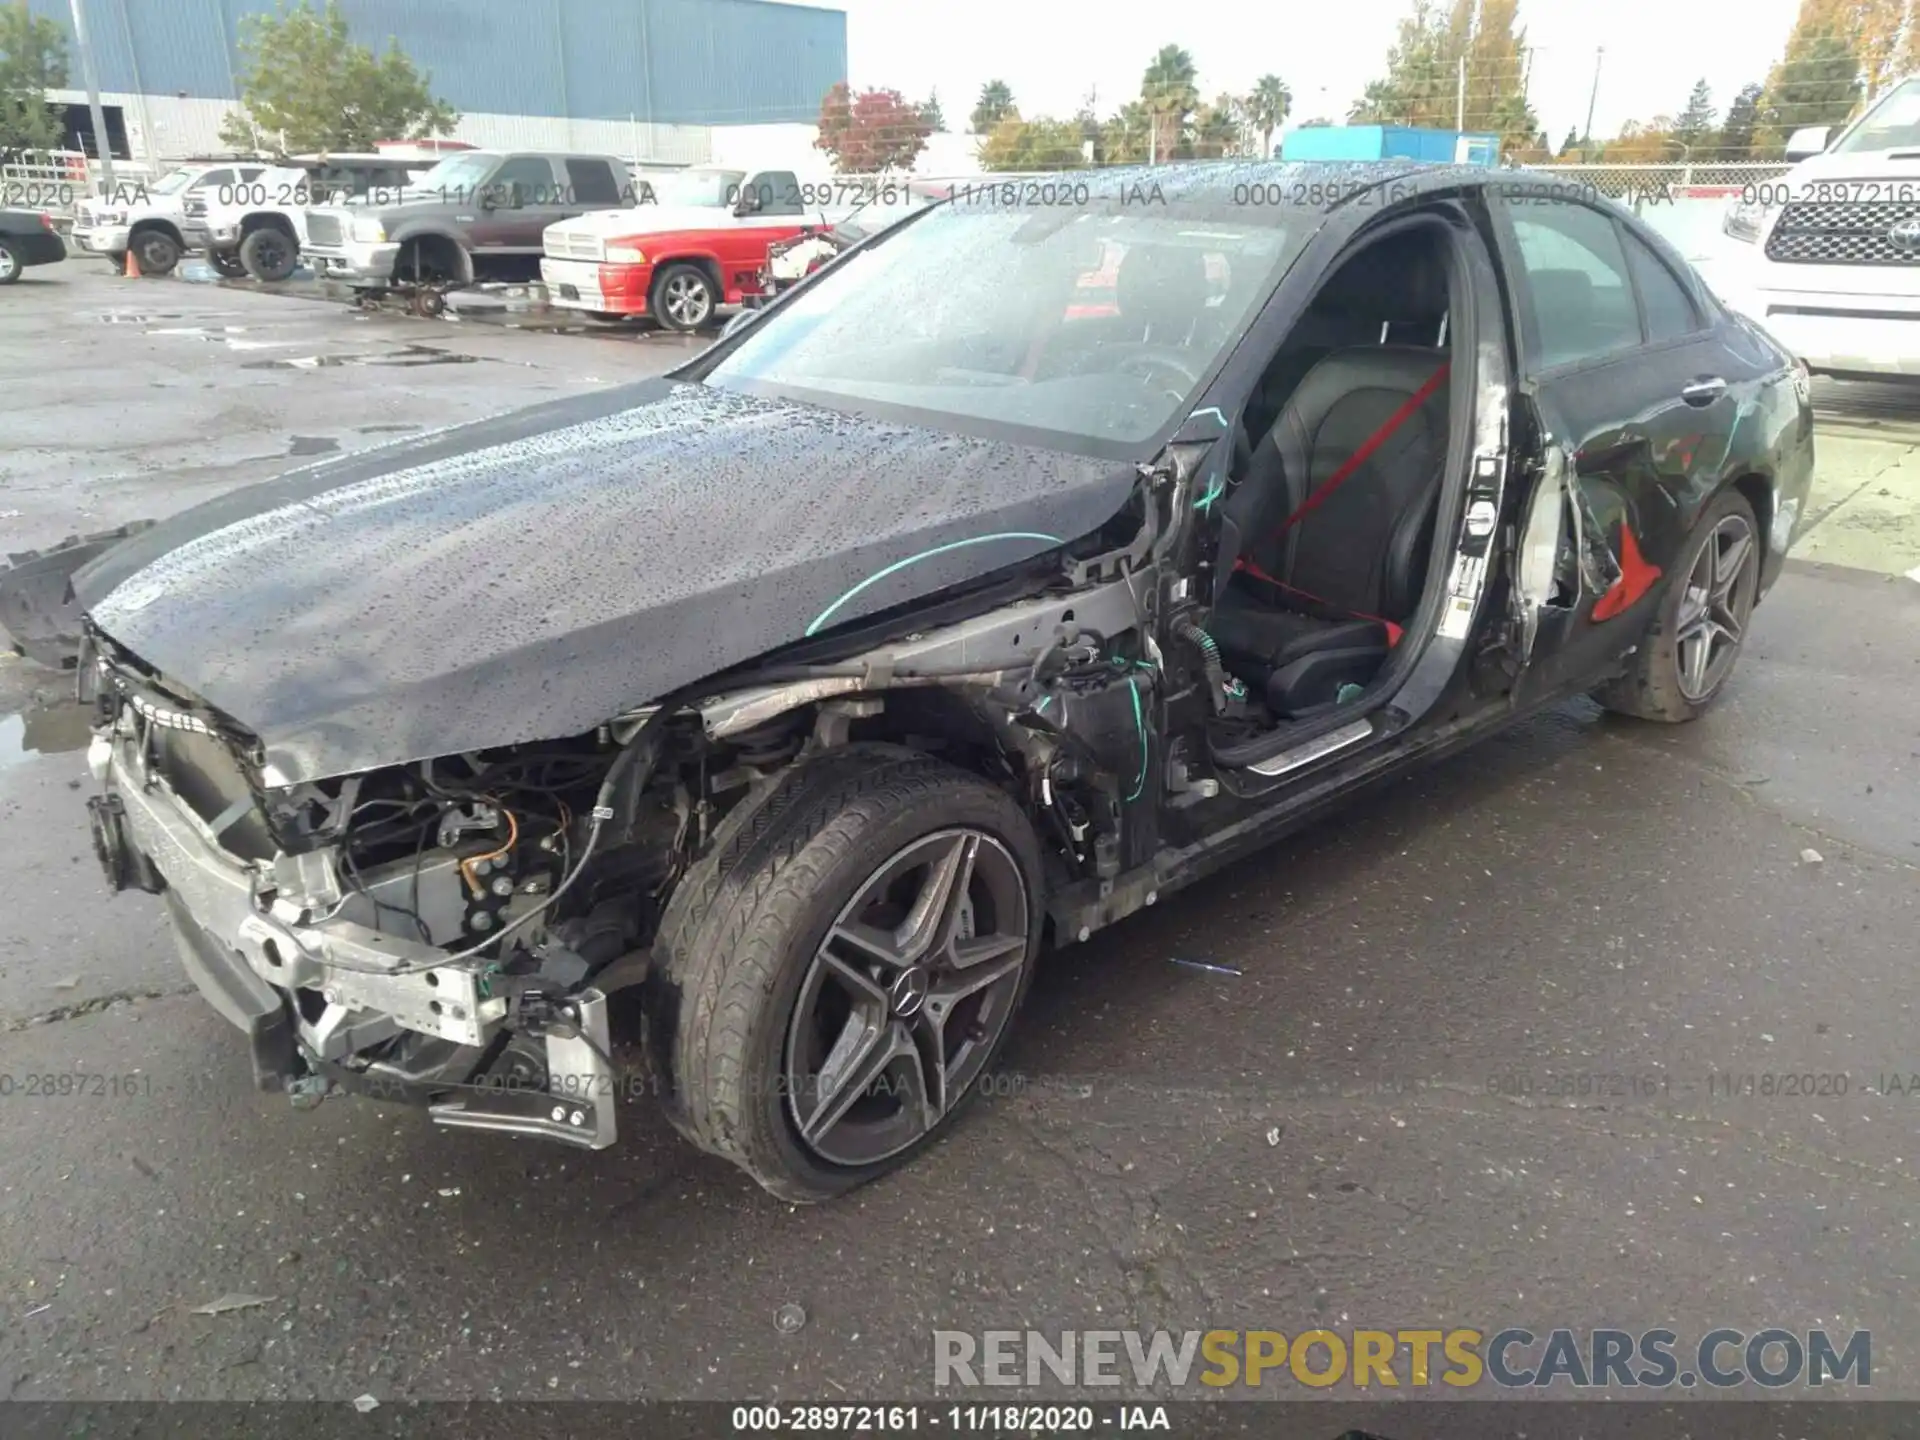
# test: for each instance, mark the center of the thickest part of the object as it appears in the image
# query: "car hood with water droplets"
(534, 575)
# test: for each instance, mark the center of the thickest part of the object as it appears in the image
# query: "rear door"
(1624, 376)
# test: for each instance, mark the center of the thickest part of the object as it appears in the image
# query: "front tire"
(270, 255)
(836, 977)
(10, 266)
(683, 297)
(157, 251)
(1688, 654)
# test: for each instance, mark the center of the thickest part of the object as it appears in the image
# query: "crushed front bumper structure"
(254, 959)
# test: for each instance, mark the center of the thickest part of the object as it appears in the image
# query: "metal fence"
(56, 181)
(1676, 180)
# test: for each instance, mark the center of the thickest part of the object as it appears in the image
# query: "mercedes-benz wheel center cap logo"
(910, 992)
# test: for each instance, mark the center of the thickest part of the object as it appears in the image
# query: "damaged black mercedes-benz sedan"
(1035, 557)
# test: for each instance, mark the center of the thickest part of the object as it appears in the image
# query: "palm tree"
(1170, 93)
(1267, 109)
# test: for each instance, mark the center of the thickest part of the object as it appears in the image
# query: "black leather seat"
(1311, 607)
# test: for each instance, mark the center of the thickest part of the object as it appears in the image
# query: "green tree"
(1267, 108)
(1219, 129)
(1041, 144)
(1170, 92)
(33, 60)
(1422, 69)
(1742, 122)
(1434, 49)
(930, 112)
(994, 105)
(307, 85)
(1125, 136)
(1695, 123)
(1818, 83)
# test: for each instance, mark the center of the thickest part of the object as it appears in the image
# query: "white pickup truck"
(1833, 268)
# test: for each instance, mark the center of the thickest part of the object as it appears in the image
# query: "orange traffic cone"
(133, 264)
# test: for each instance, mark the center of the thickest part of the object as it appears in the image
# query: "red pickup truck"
(696, 241)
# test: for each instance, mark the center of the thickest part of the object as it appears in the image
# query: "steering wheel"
(1155, 362)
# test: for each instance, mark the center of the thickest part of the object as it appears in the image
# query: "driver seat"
(1324, 544)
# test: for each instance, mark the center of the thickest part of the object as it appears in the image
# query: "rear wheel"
(270, 255)
(226, 264)
(836, 976)
(1689, 652)
(683, 297)
(157, 252)
(10, 266)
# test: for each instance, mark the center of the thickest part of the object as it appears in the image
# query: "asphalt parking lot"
(1362, 1127)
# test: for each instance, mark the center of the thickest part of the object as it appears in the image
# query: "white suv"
(1834, 266)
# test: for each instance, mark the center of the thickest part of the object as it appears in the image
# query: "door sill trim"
(1316, 749)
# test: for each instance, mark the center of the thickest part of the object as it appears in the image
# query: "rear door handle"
(1704, 391)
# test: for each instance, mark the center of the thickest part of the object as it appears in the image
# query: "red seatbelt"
(1394, 632)
(1359, 457)
(1333, 482)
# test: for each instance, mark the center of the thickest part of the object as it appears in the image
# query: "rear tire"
(770, 1029)
(10, 266)
(226, 264)
(1689, 651)
(270, 255)
(158, 252)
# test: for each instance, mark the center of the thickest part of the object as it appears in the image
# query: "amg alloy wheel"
(1715, 604)
(833, 980)
(1685, 659)
(906, 997)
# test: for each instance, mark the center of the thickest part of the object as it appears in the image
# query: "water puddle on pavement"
(51, 729)
(407, 358)
(313, 445)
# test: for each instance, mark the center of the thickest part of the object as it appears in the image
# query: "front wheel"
(683, 297)
(834, 980)
(157, 252)
(1690, 650)
(270, 255)
(10, 266)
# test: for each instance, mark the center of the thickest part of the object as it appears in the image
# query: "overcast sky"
(1051, 52)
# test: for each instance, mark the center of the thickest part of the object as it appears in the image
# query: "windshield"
(173, 180)
(1893, 124)
(693, 187)
(458, 172)
(1093, 326)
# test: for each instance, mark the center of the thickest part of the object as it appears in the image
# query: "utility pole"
(1460, 98)
(100, 141)
(1586, 136)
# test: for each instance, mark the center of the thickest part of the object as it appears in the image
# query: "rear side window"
(1671, 312)
(1578, 277)
(592, 182)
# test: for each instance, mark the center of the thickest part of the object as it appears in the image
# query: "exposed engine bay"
(447, 932)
